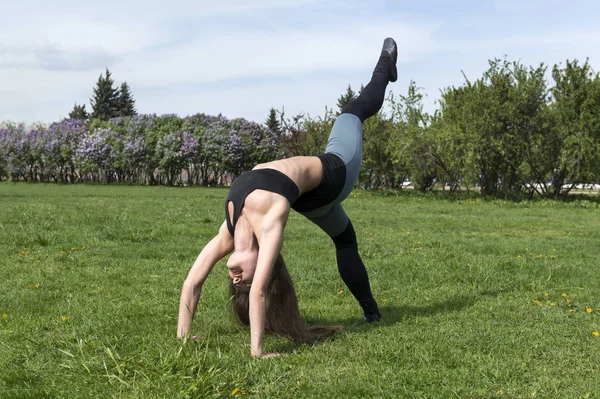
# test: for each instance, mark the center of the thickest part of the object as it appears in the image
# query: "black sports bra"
(260, 179)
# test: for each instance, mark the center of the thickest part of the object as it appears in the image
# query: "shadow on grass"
(392, 314)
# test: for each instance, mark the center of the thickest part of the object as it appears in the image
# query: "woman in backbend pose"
(257, 209)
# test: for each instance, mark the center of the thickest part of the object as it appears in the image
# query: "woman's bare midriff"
(305, 171)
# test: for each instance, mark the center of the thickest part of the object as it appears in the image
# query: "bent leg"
(353, 272)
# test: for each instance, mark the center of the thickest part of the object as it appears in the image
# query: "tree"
(79, 112)
(378, 168)
(494, 126)
(273, 123)
(345, 99)
(362, 87)
(126, 103)
(105, 102)
(411, 139)
(576, 126)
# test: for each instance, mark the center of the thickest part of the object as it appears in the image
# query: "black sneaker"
(372, 317)
(390, 47)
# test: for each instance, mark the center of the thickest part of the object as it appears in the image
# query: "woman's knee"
(346, 239)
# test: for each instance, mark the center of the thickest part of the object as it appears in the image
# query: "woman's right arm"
(217, 248)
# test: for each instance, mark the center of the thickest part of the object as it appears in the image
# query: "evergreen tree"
(273, 123)
(126, 101)
(105, 102)
(345, 98)
(79, 112)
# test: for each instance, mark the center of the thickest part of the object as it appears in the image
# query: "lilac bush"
(3, 161)
(170, 155)
(206, 160)
(94, 156)
(130, 151)
(191, 150)
(16, 150)
(195, 150)
(58, 148)
(247, 144)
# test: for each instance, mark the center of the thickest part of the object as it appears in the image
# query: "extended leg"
(369, 102)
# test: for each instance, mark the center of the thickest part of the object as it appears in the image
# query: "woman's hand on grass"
(186, 338)
(269, 355)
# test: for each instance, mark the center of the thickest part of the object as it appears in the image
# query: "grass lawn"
(480, 299)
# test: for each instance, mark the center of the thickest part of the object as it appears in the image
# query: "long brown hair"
(283, 315)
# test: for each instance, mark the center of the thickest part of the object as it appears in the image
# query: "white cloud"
(63, 70)
(248, 54)
(240, 58)
(71, 31)
(52, 57)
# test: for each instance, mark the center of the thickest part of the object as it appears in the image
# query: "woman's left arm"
(270, 243)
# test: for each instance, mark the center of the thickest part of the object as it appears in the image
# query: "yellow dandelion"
(537, 302)
(510, 300)
(4, 316)
(553, 249)
(527, 249)
(518, 256)
(552, 304)
(235, 391)
(83, 248)
(571, 310)
(552, 257)
(588, 310)
(545, 294)
(64, 318)
(595, 333)
(384, 300)
(500, 391)
(563, 295)
(73, 249)
(408, 232)
(340, 292)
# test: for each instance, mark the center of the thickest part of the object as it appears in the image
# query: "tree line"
(509, 133)
(107, 101)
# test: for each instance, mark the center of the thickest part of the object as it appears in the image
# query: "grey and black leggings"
(345, 141)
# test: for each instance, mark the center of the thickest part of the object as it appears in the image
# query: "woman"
(257, 208)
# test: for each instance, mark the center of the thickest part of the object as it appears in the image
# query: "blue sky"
(241, 58)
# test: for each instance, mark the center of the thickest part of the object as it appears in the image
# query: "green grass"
(90, 279)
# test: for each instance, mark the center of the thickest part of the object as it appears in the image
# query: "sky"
(240, 58)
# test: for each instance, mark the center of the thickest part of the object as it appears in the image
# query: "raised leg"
(370, 100)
